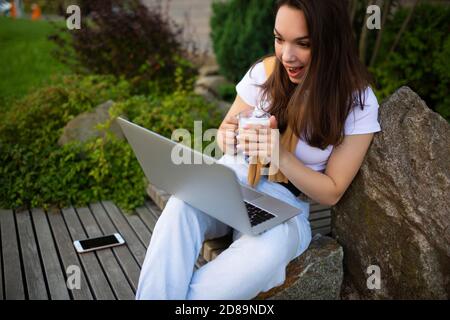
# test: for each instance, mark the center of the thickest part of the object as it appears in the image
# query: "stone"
(82, 127)
(316, 274)
(211, 83)
(205, 93)
(396, 213)
(209, 70)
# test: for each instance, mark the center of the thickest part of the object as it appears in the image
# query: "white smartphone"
(98, 243)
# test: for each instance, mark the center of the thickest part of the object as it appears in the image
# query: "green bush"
(227, 92)
(33, 169)
(421, 59)
(126, 38)
(164, 114)
(36, 172)
(38, 119)
(241, 32)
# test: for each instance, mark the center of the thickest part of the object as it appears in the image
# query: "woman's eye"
(278, 39)
(303, 44)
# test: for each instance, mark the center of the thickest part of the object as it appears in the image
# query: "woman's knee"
(305, 235)
(274, 245)
(177, 209)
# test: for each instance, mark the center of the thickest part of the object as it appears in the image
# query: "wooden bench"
(36, 252)
(319, 217)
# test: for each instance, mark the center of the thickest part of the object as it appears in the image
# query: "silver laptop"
(209, 186)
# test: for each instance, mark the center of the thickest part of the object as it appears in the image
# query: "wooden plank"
(99, 283)
(319, 215)
(129, 265)
(139, 227)
(210, 246)
(322, 231)
(200, 263)
(318, 207)
(13, 281)
(158, 196)
(149, 217)
(68, 254)
(320, 223)
(116, 277)
(136, 247)
(34, 274)
(153, 209)
(53, 269)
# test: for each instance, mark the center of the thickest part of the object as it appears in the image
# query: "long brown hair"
(335, 81)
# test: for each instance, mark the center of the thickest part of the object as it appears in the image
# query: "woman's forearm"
(315, 185)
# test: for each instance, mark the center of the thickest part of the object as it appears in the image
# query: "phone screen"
(98, 242)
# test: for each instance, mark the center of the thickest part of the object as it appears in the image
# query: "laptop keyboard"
(257, 215)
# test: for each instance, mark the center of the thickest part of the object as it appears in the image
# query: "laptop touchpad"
(249, 194)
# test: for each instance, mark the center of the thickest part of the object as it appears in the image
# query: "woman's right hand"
(227, 135)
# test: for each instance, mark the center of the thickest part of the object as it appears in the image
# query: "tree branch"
(404, 26)
(386, 10)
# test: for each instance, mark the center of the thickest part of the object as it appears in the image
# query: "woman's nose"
(287, 53)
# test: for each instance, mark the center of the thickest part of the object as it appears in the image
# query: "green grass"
(25, 58)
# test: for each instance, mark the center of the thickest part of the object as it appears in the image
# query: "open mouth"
(295, 71)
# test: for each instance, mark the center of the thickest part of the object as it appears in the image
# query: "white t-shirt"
(358, 121)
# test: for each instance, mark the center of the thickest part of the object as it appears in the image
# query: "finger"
(259, 129)
(230, 134)
(247, 138)
(246, 132)
(230, 142)
(264, 138)
(254, 126)
(228, 127)
(264, 131)
(229, 124)
(254, 136)
(258, 152)
(230, 149)
(232, 119)
(254, 146)
(273, 122)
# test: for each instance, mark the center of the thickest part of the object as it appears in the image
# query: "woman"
(320, 98)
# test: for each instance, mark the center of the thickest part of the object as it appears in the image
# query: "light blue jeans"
(252, 264)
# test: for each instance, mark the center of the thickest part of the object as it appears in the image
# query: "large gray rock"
(316, 274)
(82, 127)
(396, 213)
(209, 70)
(208, 84)
(212, 83)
